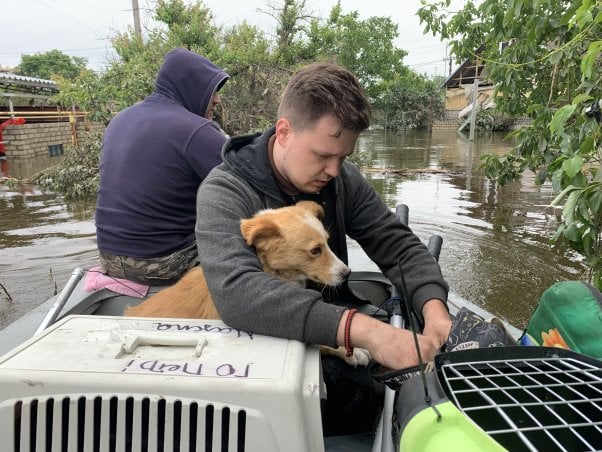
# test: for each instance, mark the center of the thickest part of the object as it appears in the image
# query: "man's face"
(311, 157)
(213, 102)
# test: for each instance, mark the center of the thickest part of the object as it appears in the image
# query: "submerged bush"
(76, 176)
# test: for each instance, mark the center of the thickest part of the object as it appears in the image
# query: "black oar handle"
(434, 245)
(402, 211)
(435, 241)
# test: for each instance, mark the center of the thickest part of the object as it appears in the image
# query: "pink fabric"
(96, 280)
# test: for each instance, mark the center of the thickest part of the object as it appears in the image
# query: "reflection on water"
(42, 239)
(495, 240)
(26, 169)
(495, 250)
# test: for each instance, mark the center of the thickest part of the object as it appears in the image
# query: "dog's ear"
(257, 228)
(313, 207)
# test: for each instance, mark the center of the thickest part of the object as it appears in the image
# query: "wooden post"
(473, 112)
(136, 10)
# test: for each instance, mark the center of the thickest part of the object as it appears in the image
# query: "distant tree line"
(259, 63)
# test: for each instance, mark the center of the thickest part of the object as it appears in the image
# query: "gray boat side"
(372, 286)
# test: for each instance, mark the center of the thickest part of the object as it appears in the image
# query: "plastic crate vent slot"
(121, 423)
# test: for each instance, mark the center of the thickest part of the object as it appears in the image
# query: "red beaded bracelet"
(348, 346)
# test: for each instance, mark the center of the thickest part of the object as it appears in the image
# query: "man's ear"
(313, 207)
(284, 129)
(258, 228)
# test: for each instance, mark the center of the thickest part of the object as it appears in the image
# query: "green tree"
(291, 18)
(551, 71)
(250, 98)
(411, 101)
(190, 26)
(365, 47)
(259, 66)
(131, 77)
(127, 80)
(48, 64)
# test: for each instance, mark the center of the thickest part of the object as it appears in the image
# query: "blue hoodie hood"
(189, 79)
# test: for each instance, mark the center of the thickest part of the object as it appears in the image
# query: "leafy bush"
(487, 120)
(411, 102)
(76, 177)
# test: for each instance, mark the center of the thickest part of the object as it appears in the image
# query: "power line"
(424, 47)
(106, 14)
(63, 50)
(69, 17)
(5, 51)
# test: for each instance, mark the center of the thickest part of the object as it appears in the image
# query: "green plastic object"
(453, 432)
(569, 316)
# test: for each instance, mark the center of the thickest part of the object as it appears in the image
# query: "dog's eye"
(316, 251)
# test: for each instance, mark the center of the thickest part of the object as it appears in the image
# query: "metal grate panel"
(125, 423)
(530, 404)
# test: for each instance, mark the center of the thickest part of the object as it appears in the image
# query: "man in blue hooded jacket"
(154, 156)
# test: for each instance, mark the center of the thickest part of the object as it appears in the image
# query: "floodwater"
(495, 240)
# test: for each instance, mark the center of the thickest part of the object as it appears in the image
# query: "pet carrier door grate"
(528, 398)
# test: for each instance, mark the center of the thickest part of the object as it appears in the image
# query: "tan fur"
(291, 244)
(189, 298)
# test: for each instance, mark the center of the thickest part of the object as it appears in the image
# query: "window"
(54, 150)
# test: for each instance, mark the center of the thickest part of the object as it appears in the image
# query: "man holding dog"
(154, 156)
(320, 116)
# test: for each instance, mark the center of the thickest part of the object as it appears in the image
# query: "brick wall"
(446, 124)
(452, 123)
(29, 142)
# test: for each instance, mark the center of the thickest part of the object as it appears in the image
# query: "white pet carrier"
(92, 383)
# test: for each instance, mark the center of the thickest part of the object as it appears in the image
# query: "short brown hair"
(321, 89)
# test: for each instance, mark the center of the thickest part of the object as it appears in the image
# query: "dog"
(291, 244)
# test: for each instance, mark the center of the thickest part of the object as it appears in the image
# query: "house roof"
(13, 83)
(466, 73)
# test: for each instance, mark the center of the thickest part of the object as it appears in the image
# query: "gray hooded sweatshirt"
(251, 300)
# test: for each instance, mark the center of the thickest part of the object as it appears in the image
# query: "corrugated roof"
(7, 78)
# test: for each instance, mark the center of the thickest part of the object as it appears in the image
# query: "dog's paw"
(361, 357)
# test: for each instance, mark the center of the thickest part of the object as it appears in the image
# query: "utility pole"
(448, 59)
(473, 112)
(136, 11)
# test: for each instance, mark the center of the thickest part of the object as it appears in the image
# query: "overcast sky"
(83, 27)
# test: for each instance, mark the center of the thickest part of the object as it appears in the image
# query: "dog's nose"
(346, 272)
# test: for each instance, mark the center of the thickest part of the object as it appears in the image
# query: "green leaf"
(572, 166)
(579, 180)
(555, 57)
(560, 117)
(572, 234)
(583, 209)
(559, 232)
(589, 60)
(587, 239)
(568, 211)
(581, 98)
(595, 201)
(561, 195)
(557, 181)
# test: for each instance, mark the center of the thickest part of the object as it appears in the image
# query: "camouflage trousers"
(154, 271)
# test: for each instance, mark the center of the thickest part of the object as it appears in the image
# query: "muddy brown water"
(495, 240)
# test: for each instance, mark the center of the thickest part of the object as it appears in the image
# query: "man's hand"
(437, 322)
(392, 347)
(396, 348)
